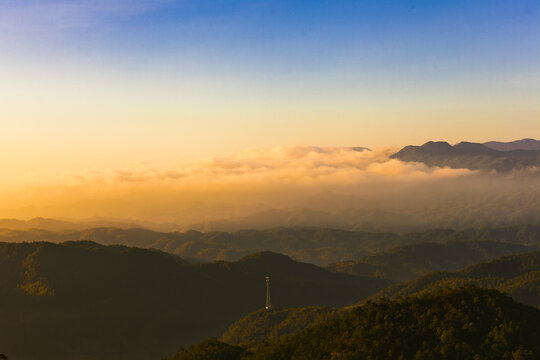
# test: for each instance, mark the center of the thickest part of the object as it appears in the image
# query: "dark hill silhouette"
(109, 302)
(469, 155)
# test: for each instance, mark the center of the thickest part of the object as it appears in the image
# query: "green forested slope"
(464, 323)
(263, 325)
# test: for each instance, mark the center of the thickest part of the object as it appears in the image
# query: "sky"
(110, 86)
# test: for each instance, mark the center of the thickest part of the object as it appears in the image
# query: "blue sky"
(281, 36)
(207, 77)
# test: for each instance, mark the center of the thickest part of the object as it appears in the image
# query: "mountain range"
(319, 246)
(523, 144)
(114, 301)
(474, 156)
(72, 225)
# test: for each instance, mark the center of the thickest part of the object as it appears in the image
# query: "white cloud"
(320, 178)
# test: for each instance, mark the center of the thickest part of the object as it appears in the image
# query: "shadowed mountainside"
(408, 262)
(109, 302)
(517, 275)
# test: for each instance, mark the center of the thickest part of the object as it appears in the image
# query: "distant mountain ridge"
(52, 224)
(314, 245)
(62, 225)
(480, 214)
(468, 155)
(523, 144)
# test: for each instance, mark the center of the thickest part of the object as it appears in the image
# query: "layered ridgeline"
(313, 245)
(523, 144)
(464, 323)
(63, 225)
(510, 201)
(517, 275)
(408, 262)
(81, 300)
(472, 156)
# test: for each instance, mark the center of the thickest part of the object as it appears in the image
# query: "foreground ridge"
(462, 323)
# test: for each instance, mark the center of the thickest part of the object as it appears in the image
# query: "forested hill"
(517, 275)
(469, 155)
(82, 300)
(408, 262)
(314, 245)
(263, 325)
(465, 323)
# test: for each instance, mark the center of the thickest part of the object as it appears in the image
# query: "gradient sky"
(109, 84)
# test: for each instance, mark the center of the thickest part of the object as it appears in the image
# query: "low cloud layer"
(305, 165)
(329, 179)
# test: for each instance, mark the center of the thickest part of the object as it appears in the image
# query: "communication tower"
(268, 302)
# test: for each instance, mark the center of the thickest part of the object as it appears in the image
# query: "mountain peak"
(437, 146)
(470, 148)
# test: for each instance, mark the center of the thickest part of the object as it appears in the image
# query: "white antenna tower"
(268, 302)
